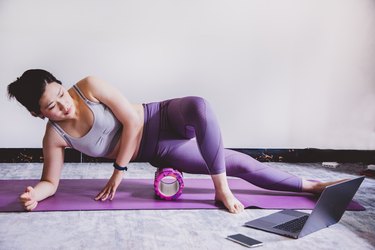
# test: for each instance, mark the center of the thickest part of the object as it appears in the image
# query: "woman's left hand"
(109, 190)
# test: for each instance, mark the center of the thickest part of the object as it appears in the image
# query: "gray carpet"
(175, 229)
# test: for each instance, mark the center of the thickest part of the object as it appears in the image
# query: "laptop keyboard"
(293, 226)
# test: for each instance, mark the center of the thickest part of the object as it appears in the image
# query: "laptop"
(329, 209)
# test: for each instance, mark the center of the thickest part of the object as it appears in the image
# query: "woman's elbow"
(53, 191)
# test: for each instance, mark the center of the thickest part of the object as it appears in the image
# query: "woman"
(96, 119)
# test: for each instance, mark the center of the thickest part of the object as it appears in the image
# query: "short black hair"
(29, 88)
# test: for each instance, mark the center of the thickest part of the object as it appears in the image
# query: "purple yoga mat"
(78, 194)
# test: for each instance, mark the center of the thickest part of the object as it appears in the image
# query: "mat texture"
(78, 194)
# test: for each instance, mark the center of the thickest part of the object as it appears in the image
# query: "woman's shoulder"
(89, 86)
(96, 89)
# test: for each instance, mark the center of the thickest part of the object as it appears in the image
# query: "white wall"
(279, 73)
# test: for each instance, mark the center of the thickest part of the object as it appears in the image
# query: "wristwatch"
(118, 167)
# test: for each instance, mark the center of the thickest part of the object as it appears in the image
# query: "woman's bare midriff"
(113, 154)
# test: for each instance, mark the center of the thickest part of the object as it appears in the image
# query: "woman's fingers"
(108, 192)
(29, 203)
(25, 197)
(112, 195)
(29, 189)
(102, 193)
(99, 195)
(31, 206)
(105, 194)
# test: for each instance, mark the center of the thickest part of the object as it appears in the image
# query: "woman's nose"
(63, 106)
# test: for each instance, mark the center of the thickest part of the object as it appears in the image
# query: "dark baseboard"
(19, 155)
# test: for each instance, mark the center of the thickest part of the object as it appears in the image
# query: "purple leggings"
(184, 134)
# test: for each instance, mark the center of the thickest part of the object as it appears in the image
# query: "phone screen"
(244, 240)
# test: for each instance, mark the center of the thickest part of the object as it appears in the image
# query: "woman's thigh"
(180, 153)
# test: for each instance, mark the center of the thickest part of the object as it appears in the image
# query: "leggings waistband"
(150, 135)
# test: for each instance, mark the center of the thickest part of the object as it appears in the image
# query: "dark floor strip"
(18, 155)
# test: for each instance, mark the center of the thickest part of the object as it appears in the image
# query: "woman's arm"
(132, 124)
(53, 151)
(124, 111)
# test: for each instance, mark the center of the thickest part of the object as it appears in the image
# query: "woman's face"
(56, 103)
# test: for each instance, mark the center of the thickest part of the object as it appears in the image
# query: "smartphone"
(244, 240)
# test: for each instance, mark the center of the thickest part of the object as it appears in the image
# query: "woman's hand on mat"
(109, 190)
(28, 199)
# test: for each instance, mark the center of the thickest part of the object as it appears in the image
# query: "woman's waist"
(150, 134)
(114, 152)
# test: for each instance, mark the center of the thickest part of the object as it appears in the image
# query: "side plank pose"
(96, 119)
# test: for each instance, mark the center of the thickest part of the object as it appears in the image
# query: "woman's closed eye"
(50, 108)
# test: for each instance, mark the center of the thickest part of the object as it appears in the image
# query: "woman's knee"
(196, 107)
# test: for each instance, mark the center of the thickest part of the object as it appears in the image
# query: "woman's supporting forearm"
(44, 189)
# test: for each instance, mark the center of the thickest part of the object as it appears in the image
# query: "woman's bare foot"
(317, 187)
(230, 202)
(223, 194)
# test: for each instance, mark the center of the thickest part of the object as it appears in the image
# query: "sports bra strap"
(79, 92)
(61, 132)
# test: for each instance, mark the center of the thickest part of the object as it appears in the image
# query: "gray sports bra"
(103, 135)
